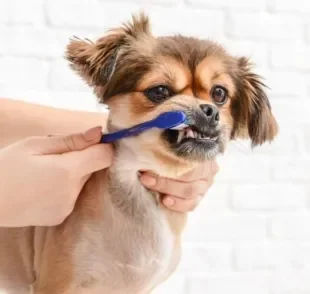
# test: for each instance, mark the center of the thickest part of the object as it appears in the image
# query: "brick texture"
(263, 26)
(298, 6)
(235, 5)
(22, 12)
(269, 197)
(251, 233)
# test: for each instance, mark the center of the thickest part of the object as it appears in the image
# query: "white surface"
(251, 234)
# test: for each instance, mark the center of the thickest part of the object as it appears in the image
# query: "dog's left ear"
(93, 61)
(96, 61)
(251, 109)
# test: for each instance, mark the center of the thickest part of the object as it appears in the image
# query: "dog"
(120, 238)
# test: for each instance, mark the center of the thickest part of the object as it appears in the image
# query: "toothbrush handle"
(134, 131)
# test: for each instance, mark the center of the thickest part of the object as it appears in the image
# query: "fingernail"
(169, 201)
(148, 181)
(92, 133)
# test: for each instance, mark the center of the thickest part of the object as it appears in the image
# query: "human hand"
(41, 177)
(184, 194)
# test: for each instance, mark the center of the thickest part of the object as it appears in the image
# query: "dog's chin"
(194, 145)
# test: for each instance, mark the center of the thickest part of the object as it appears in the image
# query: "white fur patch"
(132, 251)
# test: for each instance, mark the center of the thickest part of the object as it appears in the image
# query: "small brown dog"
(119, 238)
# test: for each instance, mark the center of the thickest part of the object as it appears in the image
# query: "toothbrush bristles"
(180, 127)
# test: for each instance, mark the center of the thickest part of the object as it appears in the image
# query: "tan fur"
(120, 239)
(210, 71)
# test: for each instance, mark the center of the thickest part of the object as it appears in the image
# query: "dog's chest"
(131, 249)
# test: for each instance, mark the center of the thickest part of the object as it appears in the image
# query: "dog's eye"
(219, 95)
(158, 94)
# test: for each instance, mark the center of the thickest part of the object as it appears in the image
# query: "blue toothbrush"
(169, 120)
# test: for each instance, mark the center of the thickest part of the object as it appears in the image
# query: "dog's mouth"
(191, 133)
(194, 142)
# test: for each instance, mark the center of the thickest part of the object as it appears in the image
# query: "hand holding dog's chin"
(41, 177)
(185, 193)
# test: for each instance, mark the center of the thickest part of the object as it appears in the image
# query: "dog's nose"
(211, 113)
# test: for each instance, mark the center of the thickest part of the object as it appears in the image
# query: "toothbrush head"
(175, 120)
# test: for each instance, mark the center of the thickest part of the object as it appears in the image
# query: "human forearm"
(20, 119)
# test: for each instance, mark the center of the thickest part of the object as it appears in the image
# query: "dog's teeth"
(183, 133)
(180, 136)
(190, 133)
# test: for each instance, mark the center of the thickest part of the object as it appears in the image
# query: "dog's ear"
(251, 109)
(96, 61)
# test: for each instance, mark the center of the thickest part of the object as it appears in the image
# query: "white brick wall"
(251, 234)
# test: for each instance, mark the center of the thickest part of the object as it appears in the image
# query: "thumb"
(68, 143)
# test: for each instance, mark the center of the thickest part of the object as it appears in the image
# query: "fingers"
(174, 187)
(181, 205)
(78, 152)
(89, 160)
(185, 193)
(203, 171)
(63, 144)
(84, 179)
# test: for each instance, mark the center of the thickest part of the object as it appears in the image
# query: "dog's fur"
(119, 238)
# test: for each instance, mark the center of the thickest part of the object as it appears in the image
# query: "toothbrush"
(175, 120)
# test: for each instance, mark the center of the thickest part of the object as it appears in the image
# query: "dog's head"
(140, 76)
